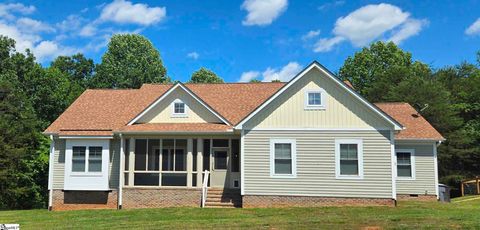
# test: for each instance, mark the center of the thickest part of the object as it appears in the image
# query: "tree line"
(32, 96)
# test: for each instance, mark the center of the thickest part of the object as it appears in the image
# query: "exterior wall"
(59, 164)
(162, 112)
(75, 200)
(342, 109)
(315, 153)
(418, 198)
(161, 197)
(424, 182)
(253, 201)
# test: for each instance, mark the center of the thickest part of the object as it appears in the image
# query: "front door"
(219, 167)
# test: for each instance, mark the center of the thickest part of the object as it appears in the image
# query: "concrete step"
(219, 205)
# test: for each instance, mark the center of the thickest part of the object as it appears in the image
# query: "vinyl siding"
(342, 109)
(424, 170)
(162, 112)
(316, 165)
(114, 163)
(59, 164)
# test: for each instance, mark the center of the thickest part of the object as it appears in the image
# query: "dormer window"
(179, 108)
(315, 99)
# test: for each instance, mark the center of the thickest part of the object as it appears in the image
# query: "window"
(349, 159)
(282, 158)
(315, 99)
(95, 159)
(405, 164)
(78, 158)
(179, 108)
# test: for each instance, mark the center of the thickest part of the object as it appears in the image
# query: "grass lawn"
(463, 213)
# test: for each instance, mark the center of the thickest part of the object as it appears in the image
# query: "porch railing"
(205, 187)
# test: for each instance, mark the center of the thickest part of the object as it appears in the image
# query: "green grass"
(407, 215)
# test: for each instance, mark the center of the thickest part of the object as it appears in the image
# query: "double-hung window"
(283, 158)
(405, 164)
(86, 159)
(315, 99)
(349, 158)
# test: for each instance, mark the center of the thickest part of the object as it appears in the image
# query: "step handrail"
(205, 187)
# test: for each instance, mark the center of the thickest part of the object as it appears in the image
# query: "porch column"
(131, 161)
(121, 168)
(189, 161)
(199, 162)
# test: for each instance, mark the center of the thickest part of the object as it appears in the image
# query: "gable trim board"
(178, 85)
(315, 64)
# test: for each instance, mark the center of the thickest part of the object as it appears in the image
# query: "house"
(312, 141)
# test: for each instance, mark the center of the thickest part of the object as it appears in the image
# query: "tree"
(130, 61)
(77, 67)
(255, 81)
(204, 75)
(372, 71)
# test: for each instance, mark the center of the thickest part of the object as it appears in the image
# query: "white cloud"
(311, 34)
(33, 25)
(7, 10)
(50, 50)
(474, 28)
(72, 22)
(331, 4)
(263, 12)
(248, 76)
(88, 30)
(283, 74)
(193, 55)
(124, 12)
(372, 22)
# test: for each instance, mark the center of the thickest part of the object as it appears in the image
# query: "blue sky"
(241, 40)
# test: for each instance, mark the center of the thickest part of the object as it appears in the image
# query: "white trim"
(393, 165)
(51, 161)
(321, 129)
(317, 195)
(412, 163)
(435, 166)
(151, 106)
(396, 125)
(185, 108)
(121, 172)
(323, 102)
(230, 131)
(85, 137)
(293, 145)
(242, 163)
(359, 143)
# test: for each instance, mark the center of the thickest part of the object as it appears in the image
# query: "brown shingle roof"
(177, 127)
(101, 112)
(416, 127)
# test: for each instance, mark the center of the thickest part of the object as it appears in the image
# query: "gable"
(162, 111)
(342, 109)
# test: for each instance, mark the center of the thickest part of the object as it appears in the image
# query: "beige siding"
(316, 165)
(424, 170)
(342, 109)
(59, 164)
(162, 112)
(113, 174)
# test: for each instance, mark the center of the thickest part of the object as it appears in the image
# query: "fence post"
(476, 185)
(461, 189)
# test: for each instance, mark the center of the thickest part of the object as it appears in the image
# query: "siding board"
(316, 165)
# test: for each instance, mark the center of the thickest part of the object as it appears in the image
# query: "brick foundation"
(257, 201)
(417, 197)
(161, 197)
(75, 200)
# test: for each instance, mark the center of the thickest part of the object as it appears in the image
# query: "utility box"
(443, 193)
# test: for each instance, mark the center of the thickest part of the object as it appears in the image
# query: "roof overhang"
(172, 89)
(316, 65)
(85, 137)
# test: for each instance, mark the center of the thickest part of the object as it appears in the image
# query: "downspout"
(394, 166)
(435, 166)
(121, 176)
(50, 172)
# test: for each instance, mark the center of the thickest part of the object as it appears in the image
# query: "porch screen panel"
(126, 150)
(194, 152)
(153, 155)
(235, 155)
(167, 155)
(181, 155)
(206, 154)
(140, 154)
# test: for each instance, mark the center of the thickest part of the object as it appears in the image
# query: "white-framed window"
(349, 158)
(405, 164)
(86, 159)
(283, 159)
(315, 99)
(179, 108)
